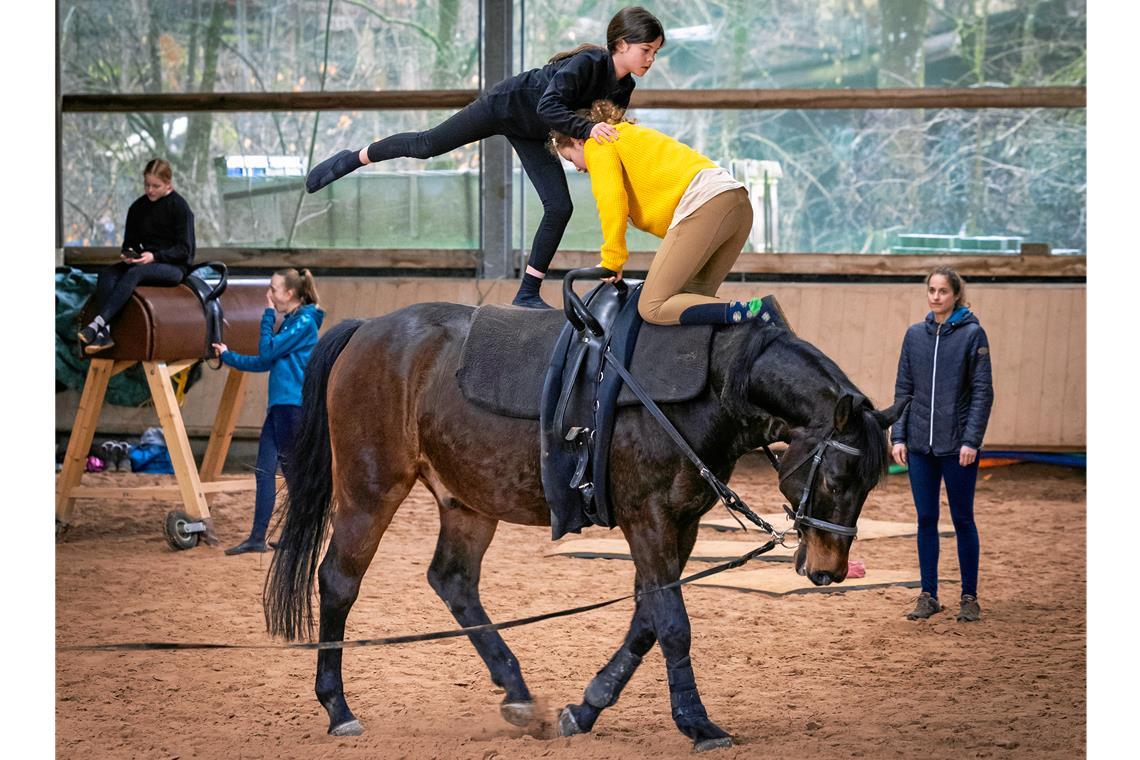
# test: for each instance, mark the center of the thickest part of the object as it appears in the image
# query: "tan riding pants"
(695, 257)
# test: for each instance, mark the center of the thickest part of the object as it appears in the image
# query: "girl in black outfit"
(158, 249)
(524, 109)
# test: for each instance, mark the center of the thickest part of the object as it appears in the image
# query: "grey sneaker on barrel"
(970, 609)
(926, 606)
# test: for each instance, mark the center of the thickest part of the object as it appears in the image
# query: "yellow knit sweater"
(640, 177)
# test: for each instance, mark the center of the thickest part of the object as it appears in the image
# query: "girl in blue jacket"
(284, 353)
(945, 368)
(524, 109)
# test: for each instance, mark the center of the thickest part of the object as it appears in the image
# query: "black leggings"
(477, 121)
(116, 283)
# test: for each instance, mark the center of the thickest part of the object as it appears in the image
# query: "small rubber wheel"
(175, 530)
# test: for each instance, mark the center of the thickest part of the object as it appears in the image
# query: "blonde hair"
(158, 167)
(301, 283)
(599, 111)
(957, 284)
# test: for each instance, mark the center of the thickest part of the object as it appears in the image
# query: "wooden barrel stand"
(159, 323)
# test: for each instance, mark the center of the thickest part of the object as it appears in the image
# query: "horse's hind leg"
(364, 510)
(464, 536)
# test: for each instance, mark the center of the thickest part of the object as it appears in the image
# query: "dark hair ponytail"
(575, 51)
(301, 283)
(633, 24)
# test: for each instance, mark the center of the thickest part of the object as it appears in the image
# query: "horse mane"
(873, 443)
(870, 437)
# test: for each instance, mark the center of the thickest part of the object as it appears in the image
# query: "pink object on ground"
(856, 568)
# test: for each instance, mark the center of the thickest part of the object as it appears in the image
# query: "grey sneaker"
(970, 610)
(927, 605)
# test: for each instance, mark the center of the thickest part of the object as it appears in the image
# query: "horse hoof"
(706, 744)
(567, 726)
(517, 713)
(351, 728)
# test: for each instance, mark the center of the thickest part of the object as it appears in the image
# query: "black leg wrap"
(683, 694)
(606, 686)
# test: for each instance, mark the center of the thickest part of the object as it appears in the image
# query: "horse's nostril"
(820, 578)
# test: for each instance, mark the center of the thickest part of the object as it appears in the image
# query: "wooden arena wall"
(1036, 331)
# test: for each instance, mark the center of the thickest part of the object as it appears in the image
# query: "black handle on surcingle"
(576, 311)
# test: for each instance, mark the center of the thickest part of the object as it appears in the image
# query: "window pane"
(837, 43)
(243, 175)
(968, 181)
(266, 45)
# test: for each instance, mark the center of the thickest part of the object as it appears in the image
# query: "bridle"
(802, 514)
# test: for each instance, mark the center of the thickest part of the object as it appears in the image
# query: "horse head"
(826, 474)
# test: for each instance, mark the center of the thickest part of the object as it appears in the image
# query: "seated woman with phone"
(158, 249)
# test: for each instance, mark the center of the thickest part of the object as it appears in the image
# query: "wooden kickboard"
(868, 528)
(779, 581)
(703, 551)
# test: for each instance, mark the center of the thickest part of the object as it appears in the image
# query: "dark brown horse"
(383, 409)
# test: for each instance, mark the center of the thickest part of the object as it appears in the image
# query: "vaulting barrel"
(165, 329)
(168, 323)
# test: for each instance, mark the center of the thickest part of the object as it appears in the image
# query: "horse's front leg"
(658, 552)
(606, 686)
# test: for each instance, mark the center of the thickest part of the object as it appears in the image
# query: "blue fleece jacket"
(945, 368)
(284, 353)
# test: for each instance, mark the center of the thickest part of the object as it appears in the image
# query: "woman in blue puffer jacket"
(283, 353)
(945, 368)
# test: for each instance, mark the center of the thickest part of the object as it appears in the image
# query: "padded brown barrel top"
(167, 323)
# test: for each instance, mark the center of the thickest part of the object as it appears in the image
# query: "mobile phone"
(132, 253)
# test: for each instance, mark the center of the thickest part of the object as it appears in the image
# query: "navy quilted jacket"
(946, 370)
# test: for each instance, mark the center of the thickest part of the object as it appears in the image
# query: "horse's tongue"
(856, 568)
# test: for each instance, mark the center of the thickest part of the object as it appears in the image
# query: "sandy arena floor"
(820, 675)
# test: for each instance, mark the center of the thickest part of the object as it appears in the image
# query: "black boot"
(251, 544)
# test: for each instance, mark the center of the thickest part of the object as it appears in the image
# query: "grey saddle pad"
(507, 352)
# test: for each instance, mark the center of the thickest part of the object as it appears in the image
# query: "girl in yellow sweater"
(668, 189)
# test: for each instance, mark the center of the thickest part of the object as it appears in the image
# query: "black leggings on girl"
(116, 283)
(477, 122)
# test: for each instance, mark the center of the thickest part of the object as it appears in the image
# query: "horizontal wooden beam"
(797, 264)
(813, 99)
(821, 98)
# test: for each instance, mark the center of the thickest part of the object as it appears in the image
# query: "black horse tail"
(288, 594)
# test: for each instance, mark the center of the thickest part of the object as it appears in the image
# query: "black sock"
(715, 314)
(530, 285)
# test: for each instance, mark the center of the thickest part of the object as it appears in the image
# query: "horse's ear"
(843, 410)
(887, 417)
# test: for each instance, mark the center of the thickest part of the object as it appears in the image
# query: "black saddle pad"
(507, 352)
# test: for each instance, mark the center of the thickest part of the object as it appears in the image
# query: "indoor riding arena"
(321, 425)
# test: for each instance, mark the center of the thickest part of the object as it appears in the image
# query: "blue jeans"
(927, 472)
(274, 448)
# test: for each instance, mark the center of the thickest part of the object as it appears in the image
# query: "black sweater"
(164, 227)
(537, 101)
